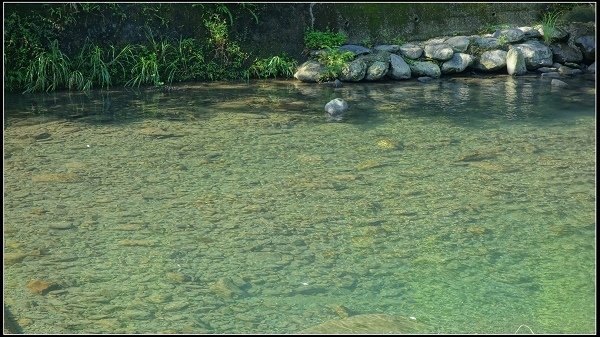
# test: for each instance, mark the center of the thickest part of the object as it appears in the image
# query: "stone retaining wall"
(515, 51)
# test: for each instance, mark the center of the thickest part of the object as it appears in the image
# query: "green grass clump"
(275, 66)
(314, 39)
(549, 25)
(48, 71)
(37, 60)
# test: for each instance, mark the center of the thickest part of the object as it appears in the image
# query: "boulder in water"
(336, 107)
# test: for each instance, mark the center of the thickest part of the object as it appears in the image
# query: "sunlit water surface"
(467, 204)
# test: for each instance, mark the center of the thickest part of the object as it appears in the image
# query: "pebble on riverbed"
(40, 286)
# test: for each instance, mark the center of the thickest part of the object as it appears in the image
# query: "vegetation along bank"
(83, 46)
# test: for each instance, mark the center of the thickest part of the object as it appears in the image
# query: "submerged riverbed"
(467, 204)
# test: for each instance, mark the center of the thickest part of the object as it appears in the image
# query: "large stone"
(486, 43)
(562, 53)
(558, 83)
(399, 70)
(579, 29)
(458, 43)
(435, 40)
(515, 62)
(390, 48)
(552, 74)
(511, 35)
(530, 32)
(458, 63)
(491, 60)
(381, 56)
(536, 54)
(226, 288)
(310, 71)
(546, 69)
(439, 51)
(353, 71)
(377, 71)
(411, 50)
(356, 49)
(41, 287)
(568, 71)
(430, 69)
(336, 107)
(582, 35)
(587, 45)
(369, 324)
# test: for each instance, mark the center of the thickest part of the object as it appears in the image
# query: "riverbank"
(553, 53)
(79, 47)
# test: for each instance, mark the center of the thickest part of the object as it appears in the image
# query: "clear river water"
(464, 205)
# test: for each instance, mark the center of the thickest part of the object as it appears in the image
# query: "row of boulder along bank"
(514, 51)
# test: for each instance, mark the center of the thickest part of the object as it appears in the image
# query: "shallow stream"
(466, 204)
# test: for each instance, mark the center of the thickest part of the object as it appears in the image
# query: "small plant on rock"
(334, 60)
(502, 39)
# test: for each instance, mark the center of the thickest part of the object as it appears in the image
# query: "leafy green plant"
(218, 33)
(281, 65)
(144, 67)
(314, 39)
(185, 60)
(38, 58)
(334, 61)
(228, 9)
(23, 42)
(227, 56)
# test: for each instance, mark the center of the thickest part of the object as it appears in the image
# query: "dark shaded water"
(467, 204)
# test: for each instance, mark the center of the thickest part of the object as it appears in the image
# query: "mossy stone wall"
(282, 25)
(374, 23)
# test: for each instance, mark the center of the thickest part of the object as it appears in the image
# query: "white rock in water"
(558, 83)
(336, 106)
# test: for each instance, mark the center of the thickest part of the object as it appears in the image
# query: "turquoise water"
(467, 204)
